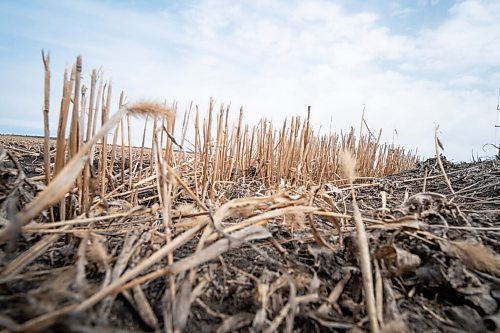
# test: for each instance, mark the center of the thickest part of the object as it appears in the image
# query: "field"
(237, 228)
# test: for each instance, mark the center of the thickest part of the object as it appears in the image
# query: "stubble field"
(254, 258)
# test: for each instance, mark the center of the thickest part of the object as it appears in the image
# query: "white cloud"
(468, 40)
(397, 10)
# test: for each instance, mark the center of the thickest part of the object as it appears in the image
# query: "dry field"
(238, 229)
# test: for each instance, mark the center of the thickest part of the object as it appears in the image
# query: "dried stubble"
(292, 156)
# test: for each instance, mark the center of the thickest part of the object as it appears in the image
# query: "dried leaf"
(399, 261)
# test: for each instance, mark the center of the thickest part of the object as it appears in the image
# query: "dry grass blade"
(64, 180)
(334, 294)
(475, 256)
(41, 323)
(213, 251)
(46, 108)
(349, 167)
(379, 294)
(56, 190)
(182, 305)
(75, 222)
(235, 322)
(81, 263)
(143, 265)
(221, 246)
(317, 236)
(438, 145)
(266, 216)
(365, 265)
(144, 308)
(130, 244)
(310, 298)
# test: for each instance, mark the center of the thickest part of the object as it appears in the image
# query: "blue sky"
(414, 64)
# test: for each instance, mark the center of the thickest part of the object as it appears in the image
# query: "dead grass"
(184, 183)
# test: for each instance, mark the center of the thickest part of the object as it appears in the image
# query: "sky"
(412, 65)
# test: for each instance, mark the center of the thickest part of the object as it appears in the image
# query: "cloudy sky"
(412, 64)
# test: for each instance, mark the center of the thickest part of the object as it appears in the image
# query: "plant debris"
(249, 264)
(235, 228)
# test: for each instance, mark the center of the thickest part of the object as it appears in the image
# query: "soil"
(434, 258)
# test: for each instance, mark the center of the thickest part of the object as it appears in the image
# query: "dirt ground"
(434, 253)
